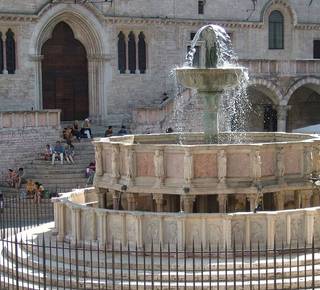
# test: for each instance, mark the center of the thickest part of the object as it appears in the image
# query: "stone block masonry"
(23, 135)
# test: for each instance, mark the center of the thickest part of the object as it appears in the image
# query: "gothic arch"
(274, 92)
(281, 5)
(302, 82)
(88, 30)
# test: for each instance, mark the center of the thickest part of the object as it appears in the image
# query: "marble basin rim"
(209, 79)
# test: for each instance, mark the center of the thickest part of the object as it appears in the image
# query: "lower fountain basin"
(209, 79)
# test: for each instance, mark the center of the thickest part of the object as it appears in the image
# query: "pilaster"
(222, 200)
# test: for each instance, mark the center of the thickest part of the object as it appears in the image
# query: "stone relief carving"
(308, 160)
(115, 162)
(159, 166)
(280, 164)
(257, 165)
(188, 167)
(222, 166)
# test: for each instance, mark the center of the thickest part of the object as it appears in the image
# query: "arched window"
(122, 58)
(142, 58)
(132, 53)
(10, 52)
(276, 30)
(1, 54)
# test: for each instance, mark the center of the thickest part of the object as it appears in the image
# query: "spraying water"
(220, 82)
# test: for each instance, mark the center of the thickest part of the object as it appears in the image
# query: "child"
(48, 152)
(69, 153)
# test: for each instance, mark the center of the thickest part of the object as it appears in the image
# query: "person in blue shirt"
(58, 150)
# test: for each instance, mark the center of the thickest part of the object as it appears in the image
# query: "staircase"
(33, 265)
(63, 177)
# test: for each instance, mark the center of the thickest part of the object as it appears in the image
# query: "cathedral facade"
(104, 60)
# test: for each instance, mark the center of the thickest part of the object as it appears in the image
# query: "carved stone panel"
(151, 230)
(258, 230)
(145, 164)
(268, 159)
(173, 165)
(238, 229)
(214, 231)
(114, 228)
(193, 232)
(297, 228)
(238, 165)
(280, 229)
(292, 161)
(170, 231)
(205, 165)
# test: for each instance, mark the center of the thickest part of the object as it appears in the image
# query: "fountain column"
(116, 195)
(279, 200)
(158, 198)
(210, 115)
(102, 197)
(222, 200)
(132, 202)
(188, 203)
(252, 200)
(306, 198)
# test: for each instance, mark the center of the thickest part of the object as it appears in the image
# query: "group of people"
(35, 190)
(14, 178)
(75, 132)
(121, 132)
(59, 151)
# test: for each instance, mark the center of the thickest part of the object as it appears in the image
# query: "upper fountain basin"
(209, 79)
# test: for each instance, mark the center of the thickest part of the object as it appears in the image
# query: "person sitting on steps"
(58, 150)
(86, 130)
(69, 153)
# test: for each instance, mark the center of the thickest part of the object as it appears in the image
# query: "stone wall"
(77, 222)
(23, 135)
(167, 26)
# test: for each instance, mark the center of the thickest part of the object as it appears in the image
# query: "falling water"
(234, 104)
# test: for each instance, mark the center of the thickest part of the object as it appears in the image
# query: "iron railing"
(30, 260)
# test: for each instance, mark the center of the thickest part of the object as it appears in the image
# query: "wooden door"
(65, 75)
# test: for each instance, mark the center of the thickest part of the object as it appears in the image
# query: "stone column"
(158, 198)
(61, 221)
(188, 203)
(306, 198)
(222, 200)
(132, 202)
(222, 167)
(98, 153)
(159, 167)
(102, 197)
(188, 167)
(76, 224)
(309, 226)
(282, 111)
(240, 202)
(279, 200)
(252, 200)
(115, 164)
(37, 59)
(297, 199)
(102, 226)
(270, 231)
(116, 195)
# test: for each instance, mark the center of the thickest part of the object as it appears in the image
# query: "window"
(1, 54)
(201, 7)
(142, 58)
(122, 63)
(132, 53)
(276, 30)
(10, 52)
(316, 49)
(137, 53)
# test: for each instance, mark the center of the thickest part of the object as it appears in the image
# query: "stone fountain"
(214, 78)
(152, 190)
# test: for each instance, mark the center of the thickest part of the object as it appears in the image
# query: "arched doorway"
(65, 74)
(304, 107)
(263, 116)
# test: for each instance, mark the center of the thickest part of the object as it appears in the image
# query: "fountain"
(152, 190)
(216, 77)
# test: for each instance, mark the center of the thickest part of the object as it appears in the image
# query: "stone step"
(30, 275)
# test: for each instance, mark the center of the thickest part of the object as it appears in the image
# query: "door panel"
(65, 74)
